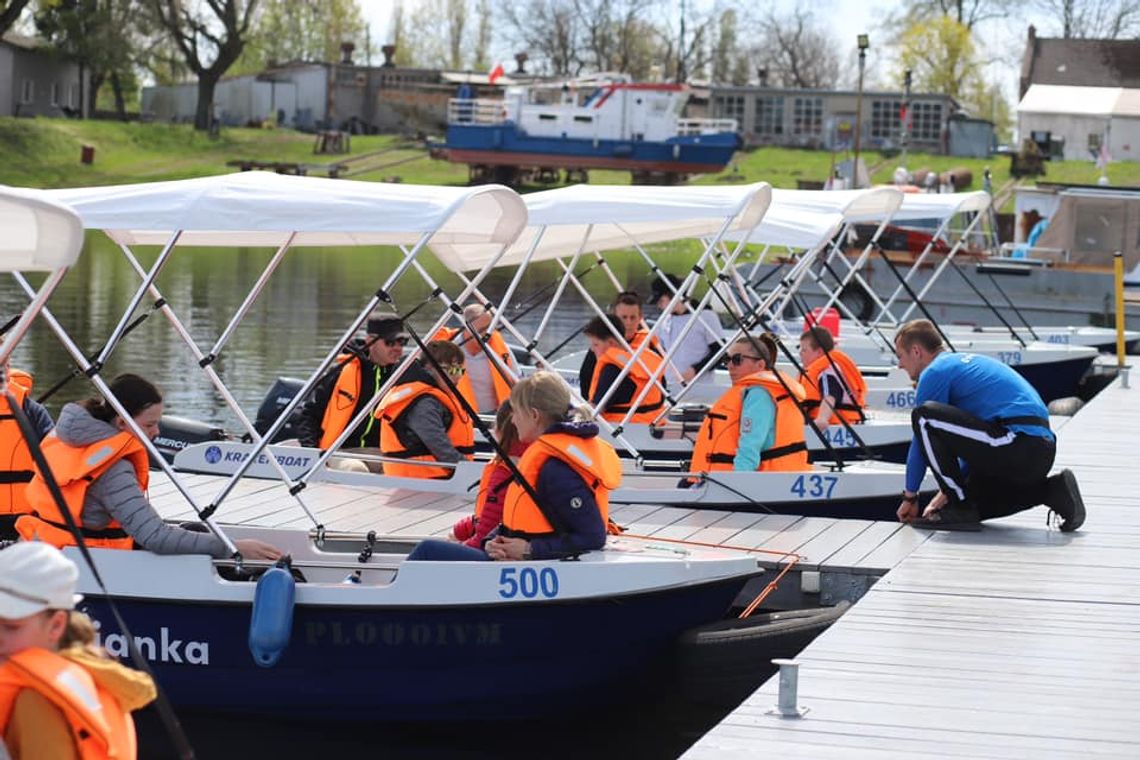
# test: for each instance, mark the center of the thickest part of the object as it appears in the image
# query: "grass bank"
(45, 153)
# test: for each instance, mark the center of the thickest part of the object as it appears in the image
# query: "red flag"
(495, 73)
(902, 113)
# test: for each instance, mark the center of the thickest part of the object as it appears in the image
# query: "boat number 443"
(528, 582)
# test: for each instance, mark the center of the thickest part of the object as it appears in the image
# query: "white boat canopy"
(940, 205)
(805, 219)
(591, 218)
(39, 234)
(872, 204)
(265, 209)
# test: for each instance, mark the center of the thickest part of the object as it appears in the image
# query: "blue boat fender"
(271, 625)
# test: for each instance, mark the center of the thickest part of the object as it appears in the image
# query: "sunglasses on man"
(401, 340)
(737, 359)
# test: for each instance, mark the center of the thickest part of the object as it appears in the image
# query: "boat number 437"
(528, 582)
(814, 486)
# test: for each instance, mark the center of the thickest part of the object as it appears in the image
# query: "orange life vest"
(342, 403)
(395, 403)
(16, 467)
(498, 347)
(485, 485)
(650, 405)
(100, 727)
(719, 437)
(852, 380)
(642, 334)
(593, 459)
(75, 468)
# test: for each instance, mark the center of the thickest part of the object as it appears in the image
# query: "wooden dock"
(1015, 642)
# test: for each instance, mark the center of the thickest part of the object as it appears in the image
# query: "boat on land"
(348, 628)
(606, 121)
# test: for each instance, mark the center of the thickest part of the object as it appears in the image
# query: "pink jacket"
(473, 532)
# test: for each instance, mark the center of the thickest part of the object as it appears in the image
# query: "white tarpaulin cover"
(789, 227)
(940, 205)
(36, 234)
(616, 216)
(262, 209)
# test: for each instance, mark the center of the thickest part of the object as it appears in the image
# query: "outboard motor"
(279, 396)
(176, 433)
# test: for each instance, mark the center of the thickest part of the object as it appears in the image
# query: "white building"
(1081, 118)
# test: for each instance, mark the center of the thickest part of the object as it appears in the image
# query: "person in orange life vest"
(611, 358)
(474, 529)
(60, 696)
(484, 384)
(570, 469)
(102, 469)
(835, 395)
(420, 419)
(340, 395)
(756, 425)
(16, 467)
(627, 308)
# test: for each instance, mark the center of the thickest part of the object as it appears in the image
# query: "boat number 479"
(528, 582)
(1009, 357)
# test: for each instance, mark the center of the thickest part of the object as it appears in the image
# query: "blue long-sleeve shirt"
(980, 386)
(757, 429)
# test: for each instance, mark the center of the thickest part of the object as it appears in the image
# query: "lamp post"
(863, 43)
(905, 116)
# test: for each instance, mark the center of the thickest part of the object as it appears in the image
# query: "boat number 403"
(1009, 357)
(814, 486)
(528, 582)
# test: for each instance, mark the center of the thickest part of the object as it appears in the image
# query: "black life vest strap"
(721, 458)
(619, 408)
(782, 451)
(88, 532)
(16, 476)
(1036, 421)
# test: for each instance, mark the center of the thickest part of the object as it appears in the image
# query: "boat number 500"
(528, 582)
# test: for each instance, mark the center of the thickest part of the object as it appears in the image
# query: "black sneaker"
(1065, 500)
(962, 516)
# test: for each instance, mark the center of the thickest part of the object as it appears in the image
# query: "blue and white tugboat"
(605, 122)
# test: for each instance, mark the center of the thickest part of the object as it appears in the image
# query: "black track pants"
(1005, 472)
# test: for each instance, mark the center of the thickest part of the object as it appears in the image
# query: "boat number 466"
(528, 582)
(814, 486)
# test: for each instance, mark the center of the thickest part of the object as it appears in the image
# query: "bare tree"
(10, 11)
(548, 30)
(797, 51)
(456, 12)
(481, 57)
(1094, 19)
(213, 29)
(968, 13)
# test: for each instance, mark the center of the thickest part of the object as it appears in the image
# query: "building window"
(807, 116)
(885, 121)
(55, 93)
(769, 116)
(27, 91)
(926, 121)
(729, 107)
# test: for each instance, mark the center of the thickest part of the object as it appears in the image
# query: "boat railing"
(1026, 253)
(689, 127)
(476, 111)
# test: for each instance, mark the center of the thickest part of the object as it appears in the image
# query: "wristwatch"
(909, 497)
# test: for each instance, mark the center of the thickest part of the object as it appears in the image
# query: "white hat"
(34, 577)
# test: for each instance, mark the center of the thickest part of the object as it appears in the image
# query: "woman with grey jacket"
(114, 497)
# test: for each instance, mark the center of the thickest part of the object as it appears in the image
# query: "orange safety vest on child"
(719, 437)
(651, 405)
(395, 403)
(75, 468)
(499, 348)
(100, 728)
(594, 460)
(856, 387)
(16, 467)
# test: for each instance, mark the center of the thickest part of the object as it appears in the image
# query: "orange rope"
(755, 603)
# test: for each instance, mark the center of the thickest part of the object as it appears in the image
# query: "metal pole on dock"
(1118, 287)
(786, 706)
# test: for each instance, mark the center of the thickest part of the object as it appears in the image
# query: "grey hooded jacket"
(116, 495)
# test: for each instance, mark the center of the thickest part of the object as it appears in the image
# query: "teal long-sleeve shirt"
(757, 429)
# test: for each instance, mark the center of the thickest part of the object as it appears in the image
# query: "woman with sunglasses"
(757, 424)
(421, 420)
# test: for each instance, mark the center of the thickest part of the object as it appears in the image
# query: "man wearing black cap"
(340, 396)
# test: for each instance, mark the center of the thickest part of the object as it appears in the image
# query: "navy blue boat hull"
(510, 661)
(504, 144)
(1056, 379)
